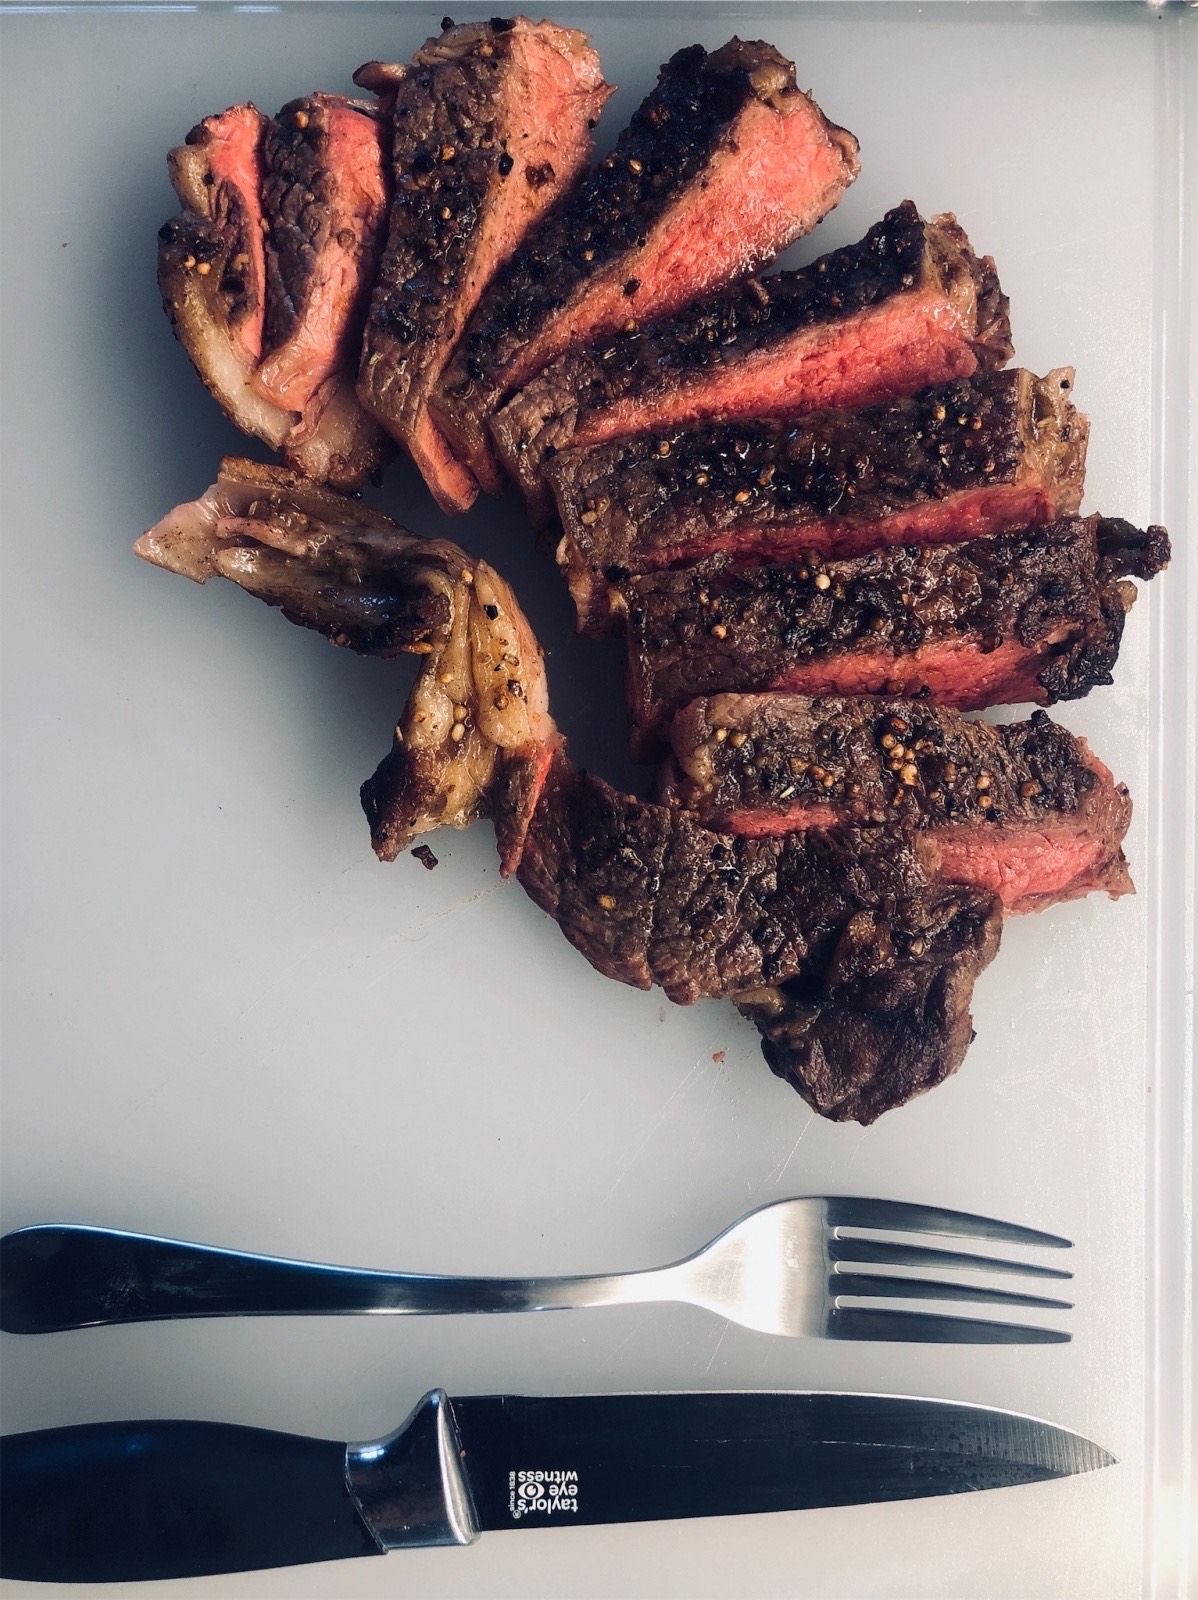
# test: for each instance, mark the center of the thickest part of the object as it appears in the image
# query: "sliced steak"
(1035, 616)
(263, 276)
(325, 193)
(720, 168)
(491, 125)
(877, 951)
(475, 738)
(1025, 811)
(324, 200)
(212, 265)
(889, 1019)
(908, 306)
(969, 458)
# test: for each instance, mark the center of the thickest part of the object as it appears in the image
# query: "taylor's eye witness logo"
(545, 1493)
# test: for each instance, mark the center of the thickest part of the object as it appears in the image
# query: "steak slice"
(212, 265)
(491, 125)
(875, 958)
(1035, 615)
(263, 275)
(324, 199)
(890, 1017)
(475, 738)
(907, 306)
(722, 166)
(1025, 811)
(969, 458)
(324, 196)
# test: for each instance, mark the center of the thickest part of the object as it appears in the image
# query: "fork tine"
(847, 1211)
(920, 1327)
(885, 1253)
(871, 1285)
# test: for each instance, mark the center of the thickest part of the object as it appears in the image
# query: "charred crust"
(397, 796)
(389, 618)
(670, 138)
(297, 199)
(840, 940)
(883, 1024)
(874, 761)
(651, 500)
(450, 157)
(724, 626)
(447, 152)
(900, 254)
(189, 241)
(1127, 552)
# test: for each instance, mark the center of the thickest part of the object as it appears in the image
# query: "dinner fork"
(799, 1267)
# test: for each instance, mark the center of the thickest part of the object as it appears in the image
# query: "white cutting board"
(224, 1020)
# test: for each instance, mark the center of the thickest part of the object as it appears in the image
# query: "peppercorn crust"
(1035, 615)
(211, 265)
(325, 191)
(857, 965)
(968, 458)
(490, 125)
(668, 215)
(1024, 810)
(270, 334)
(907, 306)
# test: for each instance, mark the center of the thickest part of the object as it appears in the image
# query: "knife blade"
(139, 1500)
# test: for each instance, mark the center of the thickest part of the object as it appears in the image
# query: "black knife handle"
(120, 1501)
(61, 1276)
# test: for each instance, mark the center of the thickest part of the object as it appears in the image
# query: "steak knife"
(137, 1500)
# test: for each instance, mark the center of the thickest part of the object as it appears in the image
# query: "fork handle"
(59, 1276)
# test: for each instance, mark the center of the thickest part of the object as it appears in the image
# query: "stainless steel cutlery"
(814, 1267)
(130, 1500)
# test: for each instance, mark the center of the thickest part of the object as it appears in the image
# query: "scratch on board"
(566, 1116)
(715, 1352)
(704, 1116)
(329, 938)
(611, 1355)
(781, 1169)
(413, 934)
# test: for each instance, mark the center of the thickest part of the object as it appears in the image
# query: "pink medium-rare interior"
(325, 340)
(776, 174)
(890, 350)
(1024, 866)
(953, 673)
(1027, 867)
(971, 514)
(561, 81)
(511, 839)
(762, 824)
(454, 487)
(234, 154)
